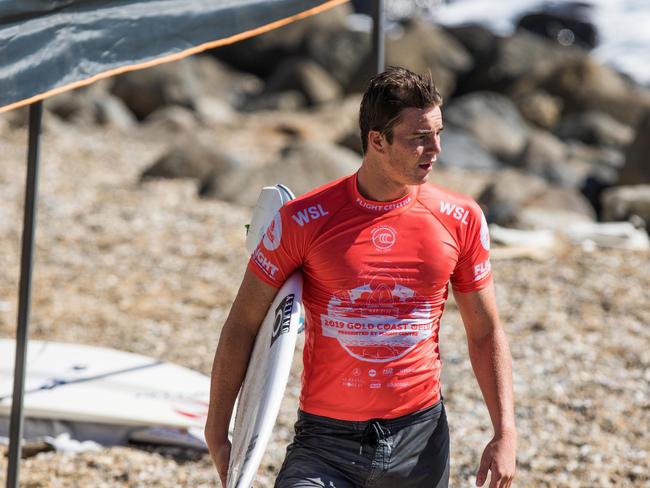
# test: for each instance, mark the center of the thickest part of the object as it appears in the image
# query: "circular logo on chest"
(383, 238)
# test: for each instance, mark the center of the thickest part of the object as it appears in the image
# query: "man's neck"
(377, 187)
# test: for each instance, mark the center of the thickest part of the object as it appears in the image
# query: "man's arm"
(492, 364)
(231, 361)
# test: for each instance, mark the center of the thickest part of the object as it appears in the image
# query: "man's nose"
(434, 145)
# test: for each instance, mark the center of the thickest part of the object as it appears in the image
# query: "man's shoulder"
(327, 193)
(322, 201)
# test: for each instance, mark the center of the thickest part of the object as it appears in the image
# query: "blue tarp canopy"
(48, 47)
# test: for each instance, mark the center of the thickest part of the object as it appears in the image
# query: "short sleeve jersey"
(376, 276)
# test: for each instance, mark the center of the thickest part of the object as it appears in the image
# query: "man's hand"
(221, 458)
(499, 458)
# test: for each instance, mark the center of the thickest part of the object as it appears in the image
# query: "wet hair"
(388, 94)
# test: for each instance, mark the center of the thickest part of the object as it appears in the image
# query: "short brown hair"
(388, 94)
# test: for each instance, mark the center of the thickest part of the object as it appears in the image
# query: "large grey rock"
(509, 60)
(540, 218)
(623, 202)
(426, 47)
(76, 106)
(260, 54)
(91, 105)
(637, 156)
(507, 193)
(567, 23)
(145, 91)
(480, 42)
(606, 157)
(545, 156)
(493, 119)
(195, 156)
(539, 108)
(567, 165)
(342, 52)
(421, 47)
(595, 128)
(212, 111)
(586, 85)
(186, 83)
(462, 150)
(112, 111)
(306, 77)
(172, 120)
(281, 101)
(555, 209)
(562, 200)
(218, 81)
(302, 166)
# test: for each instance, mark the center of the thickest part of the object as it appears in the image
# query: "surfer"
(377, 251)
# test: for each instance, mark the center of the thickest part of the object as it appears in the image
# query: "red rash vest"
(375, 286)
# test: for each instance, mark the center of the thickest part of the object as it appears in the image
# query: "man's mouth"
(425, 165)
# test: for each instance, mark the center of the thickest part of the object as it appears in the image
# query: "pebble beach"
(152, 268)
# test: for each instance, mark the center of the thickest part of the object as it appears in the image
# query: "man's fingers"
(495, 479)
(481, 475)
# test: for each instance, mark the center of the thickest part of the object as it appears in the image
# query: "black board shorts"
(405, 452)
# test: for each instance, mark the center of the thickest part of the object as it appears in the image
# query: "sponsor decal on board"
(282, 322)
(273, 233)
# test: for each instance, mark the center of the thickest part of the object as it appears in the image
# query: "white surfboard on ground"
(266, 379)
(101, 394)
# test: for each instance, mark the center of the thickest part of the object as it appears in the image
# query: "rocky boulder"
(306, 77)
(219, 81)
(112, 111)
(344, 54)
(637, 156)
(171, 121)
(301, 166)
(91, 105)
(625, 202)
(461, 150)
(260, 54)
(539, 108)
(567, 23)
(480, 42)
(522, 56)
(145, 91)
(505, 195)
(555, 209)
(421, 47)
(586, 85)
(195, 156)
(595, 128)
(565, 200)
(493, 119)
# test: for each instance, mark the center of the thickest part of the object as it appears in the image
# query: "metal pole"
(24, 301)
(378, 26)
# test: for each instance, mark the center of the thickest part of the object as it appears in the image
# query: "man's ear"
(377, 141)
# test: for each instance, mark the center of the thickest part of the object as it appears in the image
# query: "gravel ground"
(150, 268)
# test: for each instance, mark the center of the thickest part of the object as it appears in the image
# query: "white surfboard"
(266, 378)
(123, 396)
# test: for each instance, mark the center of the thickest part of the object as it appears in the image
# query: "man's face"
(409, 158)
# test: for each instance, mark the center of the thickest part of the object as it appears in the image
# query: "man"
(377, 250)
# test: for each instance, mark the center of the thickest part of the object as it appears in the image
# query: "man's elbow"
(486, 337)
